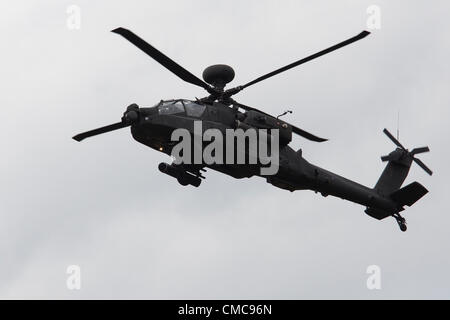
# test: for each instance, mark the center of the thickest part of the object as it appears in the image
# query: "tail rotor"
(401, 152)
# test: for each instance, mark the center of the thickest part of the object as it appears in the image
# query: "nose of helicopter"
(147, 114)
(135, 115)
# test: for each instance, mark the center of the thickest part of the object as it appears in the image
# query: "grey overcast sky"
(136, 233)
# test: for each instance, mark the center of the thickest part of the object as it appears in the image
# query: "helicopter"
(153, 127)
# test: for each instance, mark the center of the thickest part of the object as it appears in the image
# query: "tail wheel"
(401, 221)
(403, 227)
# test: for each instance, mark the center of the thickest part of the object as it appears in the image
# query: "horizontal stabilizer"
(409, 195)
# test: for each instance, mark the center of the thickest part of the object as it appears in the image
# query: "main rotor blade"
(111, 127)
(295, 129)
(248, 108)
(161, 58)
(309, 58)
(390, 136)
(307, 135)
(419, 150)
(423, 166)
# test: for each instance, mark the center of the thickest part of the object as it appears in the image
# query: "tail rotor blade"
(390, 136)
(423, 166)
(161, 58)
(419, 150)
(111, 127)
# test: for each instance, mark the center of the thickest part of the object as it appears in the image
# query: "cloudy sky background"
(136, 233)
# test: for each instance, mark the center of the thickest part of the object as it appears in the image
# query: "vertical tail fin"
(395, 173)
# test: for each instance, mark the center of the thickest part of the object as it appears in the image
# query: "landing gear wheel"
(401, 221)
(403, 226)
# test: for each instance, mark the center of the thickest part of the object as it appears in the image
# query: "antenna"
(286, 112)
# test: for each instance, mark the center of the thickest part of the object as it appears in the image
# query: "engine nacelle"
(262, 121)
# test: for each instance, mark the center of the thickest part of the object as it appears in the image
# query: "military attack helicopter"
(153, 126)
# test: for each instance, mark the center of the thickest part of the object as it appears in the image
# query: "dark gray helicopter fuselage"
(154, 130)
(154, 127)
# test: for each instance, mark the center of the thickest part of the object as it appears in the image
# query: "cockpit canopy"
(187, 107)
